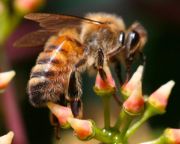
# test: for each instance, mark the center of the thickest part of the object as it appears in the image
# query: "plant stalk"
(106, 105)
(160, 140)
(147, 114)
(103, 136)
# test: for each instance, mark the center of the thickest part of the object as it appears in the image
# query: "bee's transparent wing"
(33, 39)
(58, 21)
(50, 24)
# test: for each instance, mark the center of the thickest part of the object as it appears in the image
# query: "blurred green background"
(162, 21)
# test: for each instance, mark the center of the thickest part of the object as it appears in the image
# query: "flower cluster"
(134, 104)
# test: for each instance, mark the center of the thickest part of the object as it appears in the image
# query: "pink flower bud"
(5, 78)
(172, 136)
(159, 98)
(1, 7)
(27, 6)
(135, 102)
(7, 139)
(82, 128)
(62, 113)
(107, 86)
(128, 87)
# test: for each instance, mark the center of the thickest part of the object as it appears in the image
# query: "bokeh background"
(162, 21)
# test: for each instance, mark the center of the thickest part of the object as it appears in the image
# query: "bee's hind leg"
(54, 122)
(75, 91)
(74, 94)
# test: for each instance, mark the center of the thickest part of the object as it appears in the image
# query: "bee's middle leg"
(100, 64)
(54, 122)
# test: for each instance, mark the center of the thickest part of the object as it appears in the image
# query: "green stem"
(8, 27)
(103, 135)
(148, 113)
(124, 119)
(127, 119)
(5, 2)
(106, 101)
(8, 24)
(118, 122)
(123, 122)
(160, 140)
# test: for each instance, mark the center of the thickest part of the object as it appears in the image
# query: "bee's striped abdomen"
(49, 77)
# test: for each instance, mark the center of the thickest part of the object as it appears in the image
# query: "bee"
(72, 45)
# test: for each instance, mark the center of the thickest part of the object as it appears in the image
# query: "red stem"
(13, 119)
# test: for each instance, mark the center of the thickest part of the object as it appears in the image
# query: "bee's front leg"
(143, 58)
(118, 71)
(115, 52)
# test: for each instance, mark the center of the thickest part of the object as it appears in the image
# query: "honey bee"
(73, 44)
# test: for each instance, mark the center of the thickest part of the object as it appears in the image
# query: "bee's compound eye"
(121, 37)
(133, 39)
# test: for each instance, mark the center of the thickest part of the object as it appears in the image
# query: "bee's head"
(129, 41)
(133, 39)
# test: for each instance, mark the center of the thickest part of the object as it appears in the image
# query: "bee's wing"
(33, 39)
(57, 21)
(51, 24)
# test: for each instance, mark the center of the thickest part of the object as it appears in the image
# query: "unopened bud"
(2, 8)
(172, 136)
(5, 78)
(27, 6)
(82, 128)
(62, 113)
(7, 139)
(159, 98)
(104, 87)
(135, 102)
(128, 87)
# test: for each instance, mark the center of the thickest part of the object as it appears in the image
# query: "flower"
(128, 87)
(172, 136)
(135, 102)
(83, 128)
(27, 6)
(62, 113)
(1, 7)
(7, 139)
(159, 98)
(104, 87)
(5, 78)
